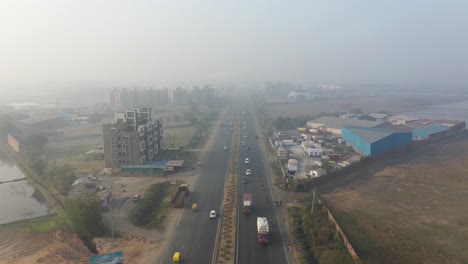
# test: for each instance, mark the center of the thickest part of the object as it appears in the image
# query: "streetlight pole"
(313, 202)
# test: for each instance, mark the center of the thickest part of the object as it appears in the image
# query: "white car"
(200, 163)
(243, 143)
(212, 214)
(225, 147)
(243, 127)
(247, 161)
(248, 172)
(245, 136)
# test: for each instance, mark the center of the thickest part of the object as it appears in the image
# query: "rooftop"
(42, 118)
(372, 134)
(335, 122)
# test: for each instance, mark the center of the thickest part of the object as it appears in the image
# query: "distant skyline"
(166, 42)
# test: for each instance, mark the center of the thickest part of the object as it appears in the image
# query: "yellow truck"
(176, 258)
(194, 207)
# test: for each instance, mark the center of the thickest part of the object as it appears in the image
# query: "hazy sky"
(167, 41)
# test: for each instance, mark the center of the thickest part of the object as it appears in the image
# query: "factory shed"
(333, 124)
(371, 141)
(427, 131)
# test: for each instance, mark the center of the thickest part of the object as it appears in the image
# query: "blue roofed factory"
(427, 131)
(372, 141)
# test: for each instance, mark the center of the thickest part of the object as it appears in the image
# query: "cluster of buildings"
(372, 138)
(344, 140)
(127, 98)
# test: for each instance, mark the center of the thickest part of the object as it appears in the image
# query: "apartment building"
(133, 139)
(128, 98)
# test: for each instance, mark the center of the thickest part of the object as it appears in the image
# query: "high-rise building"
(132, 139)
(179, 96)
(124, 98)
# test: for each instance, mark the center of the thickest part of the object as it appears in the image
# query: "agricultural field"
(388, 103)
(407, 208)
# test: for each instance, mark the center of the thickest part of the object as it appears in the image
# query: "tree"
(84, 217)
(39, 166)
(62, 177)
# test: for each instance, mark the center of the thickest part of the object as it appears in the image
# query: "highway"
(195, 233)
(248, 250)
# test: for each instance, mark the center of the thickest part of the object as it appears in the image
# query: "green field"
(39, 224)
(178, 137)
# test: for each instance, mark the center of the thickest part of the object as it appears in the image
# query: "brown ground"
(387, 103)
(409, 208)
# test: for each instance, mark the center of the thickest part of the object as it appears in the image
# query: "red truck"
(247, 203)
(183, 192)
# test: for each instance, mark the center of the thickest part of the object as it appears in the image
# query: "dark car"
(244, 180)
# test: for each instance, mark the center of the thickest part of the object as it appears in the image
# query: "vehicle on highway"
(245, 136)
(243, 127)
(225, 147)
(194, 207)
(245, 123)
(248, 148)
(212, 214)
(244, 180)
(176, 258)
(243, 143)
(200, 163)
(248, 172)
(136, 198)
(180, 196)
(247, 161)
(247, 203)
(263, 230)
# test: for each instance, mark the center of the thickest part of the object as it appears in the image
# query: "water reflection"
(18, 200)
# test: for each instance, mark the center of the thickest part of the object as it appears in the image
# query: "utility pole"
(313, 202)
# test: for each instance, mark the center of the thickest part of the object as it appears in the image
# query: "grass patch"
(316, 239)
(178, 137)
(152, 209)
(68, 149)
(406, 208)
(36, 225)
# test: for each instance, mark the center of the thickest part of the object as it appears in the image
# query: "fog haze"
(171, 41)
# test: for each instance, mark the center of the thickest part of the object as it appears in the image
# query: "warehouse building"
(374, 141)
(428, 131)
(333, 124)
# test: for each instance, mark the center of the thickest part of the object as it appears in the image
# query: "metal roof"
(372, 134)
(429, 130)
(335, 122)
(175, 163)
(160, 164)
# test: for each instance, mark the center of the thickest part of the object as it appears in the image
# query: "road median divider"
(226, 250)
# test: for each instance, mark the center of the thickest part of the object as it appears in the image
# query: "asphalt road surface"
(248, 249)
(196, 233)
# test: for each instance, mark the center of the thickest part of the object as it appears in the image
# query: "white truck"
(263, 230)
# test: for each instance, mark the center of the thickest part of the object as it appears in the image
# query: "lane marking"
(272, 197)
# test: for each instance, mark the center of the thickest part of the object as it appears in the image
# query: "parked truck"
(247, 203)
(179, 198)
(263, 230)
